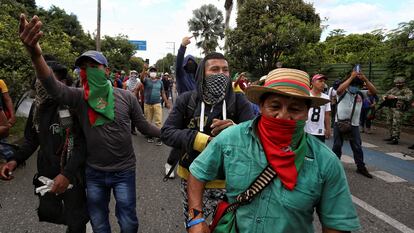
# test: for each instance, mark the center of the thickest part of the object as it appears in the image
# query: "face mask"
(214, 88)
(153, 74)
(191, 67)
(353, 89)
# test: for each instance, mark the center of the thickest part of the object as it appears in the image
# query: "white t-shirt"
(315, 124)
(344, 108)
(331, 92)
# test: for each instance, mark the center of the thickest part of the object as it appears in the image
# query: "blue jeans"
(98, 186)
(355, 143)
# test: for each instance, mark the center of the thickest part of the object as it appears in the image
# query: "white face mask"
(153, 74)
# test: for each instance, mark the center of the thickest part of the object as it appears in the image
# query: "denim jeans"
(99, 185)
(354, 142)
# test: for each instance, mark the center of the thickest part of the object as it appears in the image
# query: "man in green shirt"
(309, 175)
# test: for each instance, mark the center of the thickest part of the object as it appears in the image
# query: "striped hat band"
(287, 82)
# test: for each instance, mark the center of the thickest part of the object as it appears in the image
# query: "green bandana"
(299, 140)
(100, 97)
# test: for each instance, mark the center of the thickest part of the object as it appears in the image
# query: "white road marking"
(383, 216)
(368, 145)
(400, 156)
(387, 177)
(347, 159)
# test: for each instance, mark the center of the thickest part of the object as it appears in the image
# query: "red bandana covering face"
(284, 144)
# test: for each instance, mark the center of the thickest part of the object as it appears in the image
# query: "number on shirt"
(316, 114)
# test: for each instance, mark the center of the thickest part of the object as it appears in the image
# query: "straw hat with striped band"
(287, 82)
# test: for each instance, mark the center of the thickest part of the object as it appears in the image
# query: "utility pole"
(173, 43)
(98, 30)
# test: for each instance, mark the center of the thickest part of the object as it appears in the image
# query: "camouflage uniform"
(395, 114)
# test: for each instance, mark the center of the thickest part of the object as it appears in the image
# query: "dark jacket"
(51, 139)
(185, 81)
(180, 130)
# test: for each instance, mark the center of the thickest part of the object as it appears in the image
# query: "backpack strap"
(341, 97)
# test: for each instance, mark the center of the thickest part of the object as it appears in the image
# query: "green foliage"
(207, 25)
(118, 51)
(17, 131)
(400, 56)
(136, 63)
(63, 38)
(269, 29)
(57, 18)
(15, 67)
(354, 48)
(164, 64)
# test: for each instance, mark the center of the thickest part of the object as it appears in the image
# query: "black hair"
(357, 82)
(49, 57)
(336, 84)
(214, 55)
(69, 80)
(61, 72)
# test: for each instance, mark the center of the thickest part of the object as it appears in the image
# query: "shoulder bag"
(224, 218)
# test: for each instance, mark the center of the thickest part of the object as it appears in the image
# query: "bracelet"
(194, 222)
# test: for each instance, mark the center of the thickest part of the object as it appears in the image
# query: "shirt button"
(258, 220)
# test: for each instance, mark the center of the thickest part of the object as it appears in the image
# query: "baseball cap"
(152, 68)
(95, 55)
(167, 74)
(319, 76)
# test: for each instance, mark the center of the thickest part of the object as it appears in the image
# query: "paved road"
(383, 206)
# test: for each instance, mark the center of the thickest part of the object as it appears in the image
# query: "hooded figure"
(186, 70)
(200, 115)
(185, 81)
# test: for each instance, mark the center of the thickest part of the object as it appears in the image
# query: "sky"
(163, 23)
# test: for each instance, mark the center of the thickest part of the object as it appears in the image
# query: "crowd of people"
(231, 138)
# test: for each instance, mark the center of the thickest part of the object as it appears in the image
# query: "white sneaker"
(167, 169)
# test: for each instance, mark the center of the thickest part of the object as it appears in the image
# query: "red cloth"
(276, 145)
(91, 113)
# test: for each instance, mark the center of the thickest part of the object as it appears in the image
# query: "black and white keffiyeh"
(214, 88)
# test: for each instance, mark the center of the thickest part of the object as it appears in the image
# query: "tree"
(228, 6)
(118, 51)
(268, 29)
(207, 23)
(57, 18)
(355, 48)
(400, 54)
(136, 63)
(15, 66)
(164, 64)
(336, 32)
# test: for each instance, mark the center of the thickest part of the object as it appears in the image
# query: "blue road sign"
(139, 44)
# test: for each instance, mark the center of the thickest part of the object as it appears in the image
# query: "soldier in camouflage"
(402, 95)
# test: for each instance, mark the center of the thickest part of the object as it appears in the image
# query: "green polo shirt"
(237, 155)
